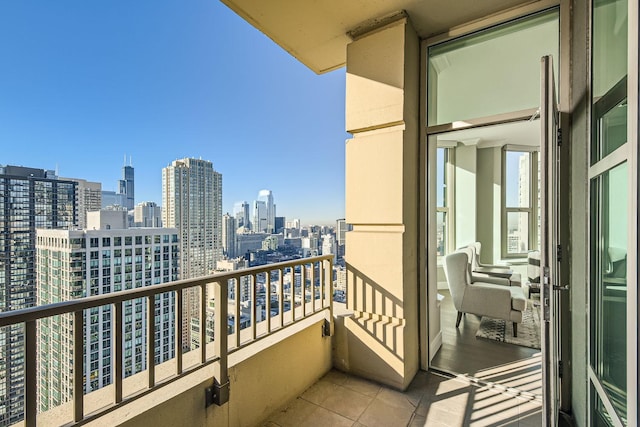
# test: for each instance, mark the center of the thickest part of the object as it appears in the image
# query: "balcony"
(276, 370)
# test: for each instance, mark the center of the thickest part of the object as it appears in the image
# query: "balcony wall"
(263, 376)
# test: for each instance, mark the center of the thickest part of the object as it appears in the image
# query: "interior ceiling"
(315, 32)
(516, 133)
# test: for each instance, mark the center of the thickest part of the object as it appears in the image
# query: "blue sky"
(83, 83)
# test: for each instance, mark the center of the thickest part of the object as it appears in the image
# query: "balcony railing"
(285, 304)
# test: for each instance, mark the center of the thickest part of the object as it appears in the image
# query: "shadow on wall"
(369, 340)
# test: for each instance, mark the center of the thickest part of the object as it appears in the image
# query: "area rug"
(500, 330)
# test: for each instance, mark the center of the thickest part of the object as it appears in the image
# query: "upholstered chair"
(482, 298)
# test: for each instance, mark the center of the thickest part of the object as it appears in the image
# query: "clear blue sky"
(83, 83)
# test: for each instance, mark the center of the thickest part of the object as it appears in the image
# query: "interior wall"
(465, 197)
(488, 193)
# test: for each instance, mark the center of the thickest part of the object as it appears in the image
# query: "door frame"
(427, 260)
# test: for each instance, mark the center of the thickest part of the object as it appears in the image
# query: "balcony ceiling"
(315, 31)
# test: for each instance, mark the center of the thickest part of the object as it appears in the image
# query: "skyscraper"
(259, 222)
(147, 214)
(89, 198)
(241, 213)
(266, 196)
(30, 198)
(125, 186)
(192, 203)
(107, 257)
(229, 236)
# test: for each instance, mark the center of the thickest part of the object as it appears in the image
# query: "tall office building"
(241, 213)
(192, 203)
(147, 214)
(229, 236)
(125, 186)
(279, 224)
(266, 196)
(29, 199)
(107, 257)
(89, 198)
(341, 236)
(259, 222)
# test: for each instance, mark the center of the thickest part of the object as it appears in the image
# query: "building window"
(520, 202)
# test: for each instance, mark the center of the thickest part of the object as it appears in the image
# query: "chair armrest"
(476, 278)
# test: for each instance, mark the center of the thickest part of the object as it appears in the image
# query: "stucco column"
(382, 114)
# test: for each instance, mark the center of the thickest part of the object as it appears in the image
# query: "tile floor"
(338, 399)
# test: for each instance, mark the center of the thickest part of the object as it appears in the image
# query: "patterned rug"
(500, 330)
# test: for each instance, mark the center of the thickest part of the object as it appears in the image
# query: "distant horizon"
(88, 85)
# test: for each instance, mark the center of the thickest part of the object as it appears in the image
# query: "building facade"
(229, 236)
(147, 214)
(29, 199)
(73, 264)
(192, 203)
(126, 187)
(89, 198)
(266, 196)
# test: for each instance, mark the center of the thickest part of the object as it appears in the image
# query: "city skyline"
(171, 82)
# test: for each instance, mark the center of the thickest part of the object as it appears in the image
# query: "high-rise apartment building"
(228, 236)
(192, 203)
(89, 198)
(279, 224)
(341, 236)
(107, 257)
(126, 187)
(266, 196)
(111, 199)
(29, 199)
(147, 214)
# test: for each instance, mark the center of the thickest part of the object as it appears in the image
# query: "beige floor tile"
(365, 387)
(293, 414)
(348, 403)
(324, 418)
(336, 377)
(397, 399)
(435, 416)
(382, 414)
(530, 414)
(320, 391)
(420, 421)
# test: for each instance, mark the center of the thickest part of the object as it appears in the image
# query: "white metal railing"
(293, 304)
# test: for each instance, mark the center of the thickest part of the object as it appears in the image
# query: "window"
(444, 200)
(520, 202)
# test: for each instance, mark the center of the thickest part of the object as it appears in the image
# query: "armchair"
(482, 298)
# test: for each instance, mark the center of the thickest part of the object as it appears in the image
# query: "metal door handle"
(560, 288)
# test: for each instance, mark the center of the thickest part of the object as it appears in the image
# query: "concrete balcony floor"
(339, 399)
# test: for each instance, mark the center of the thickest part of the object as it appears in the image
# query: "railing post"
(117, 353)
(78, 366)
(151, 339)
(220, 336)
(31, 378)
(179, 320)
(203, 323)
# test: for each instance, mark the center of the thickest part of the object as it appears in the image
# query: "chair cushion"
(518, 301)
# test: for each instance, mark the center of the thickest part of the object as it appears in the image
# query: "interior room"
(487, 198)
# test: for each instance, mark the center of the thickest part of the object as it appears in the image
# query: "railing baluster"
(281, 296)
(303, 288)
(220, 337)
(151, 339)
(179, 335)
(203, 322)
(78, 365)
(267, 300)
(253, 301)
(117, 353)
(31, 378)
(236, 322)
(313, 287)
